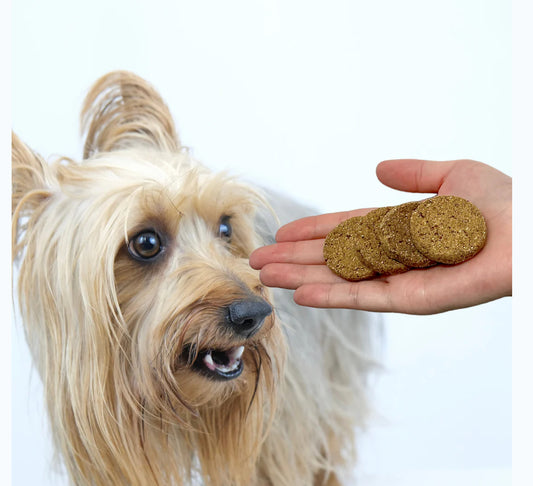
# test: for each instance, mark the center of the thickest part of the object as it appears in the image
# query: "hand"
(296, 261)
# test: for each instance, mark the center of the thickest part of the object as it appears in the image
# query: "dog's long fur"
(115, 339)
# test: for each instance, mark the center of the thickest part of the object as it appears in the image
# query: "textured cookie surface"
(448, 229)
(369, 245)
(391, 240)
(341, 253)
(395, 236)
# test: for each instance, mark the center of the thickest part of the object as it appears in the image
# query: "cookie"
(448, 229)
(395, 236)
(341, 254)
(369, 245)
(391, 240)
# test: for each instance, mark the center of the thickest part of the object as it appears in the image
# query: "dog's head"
(156, 342)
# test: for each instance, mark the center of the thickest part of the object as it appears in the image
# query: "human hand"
(296, 260)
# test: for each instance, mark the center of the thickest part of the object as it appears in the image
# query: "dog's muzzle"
(243, 318)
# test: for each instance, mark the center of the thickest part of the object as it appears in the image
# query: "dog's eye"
(145, 245)
(224, 228)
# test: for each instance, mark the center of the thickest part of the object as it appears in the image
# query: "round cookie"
(341, 254)
(369, 245)
(448, 229)
(395, 236)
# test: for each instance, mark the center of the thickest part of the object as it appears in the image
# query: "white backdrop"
(307, 97)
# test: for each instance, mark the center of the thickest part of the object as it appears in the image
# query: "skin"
(296, 261)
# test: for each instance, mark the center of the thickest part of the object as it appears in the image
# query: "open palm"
(296, 261)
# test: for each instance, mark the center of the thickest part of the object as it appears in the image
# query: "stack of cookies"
(390, 240)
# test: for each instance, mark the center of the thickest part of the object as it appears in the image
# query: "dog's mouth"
(220, 364)
(241, 320)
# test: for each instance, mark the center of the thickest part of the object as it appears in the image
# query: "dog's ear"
(123, 110)
(29, 185)
(28, 173)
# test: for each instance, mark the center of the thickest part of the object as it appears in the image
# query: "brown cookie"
(448, 229)
(341, 254)
(395, 236)
(369, 245)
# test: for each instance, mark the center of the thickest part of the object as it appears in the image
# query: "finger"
(414, 175)
(313, 227)
(291, 276)
(369, 295)
(418, 291)
(307, 252)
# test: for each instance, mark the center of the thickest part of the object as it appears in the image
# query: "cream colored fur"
(114, 339)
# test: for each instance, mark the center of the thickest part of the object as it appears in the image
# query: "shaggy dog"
(163, 358)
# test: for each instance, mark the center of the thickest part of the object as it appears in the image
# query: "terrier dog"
(163, 358)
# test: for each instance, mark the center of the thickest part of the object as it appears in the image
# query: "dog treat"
(372, 252)
(391, 240)
(448, 229)
(395, 236)
(341, 254)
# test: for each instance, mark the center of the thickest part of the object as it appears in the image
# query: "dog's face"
(198, 321)
(145, 320)
(149, 256)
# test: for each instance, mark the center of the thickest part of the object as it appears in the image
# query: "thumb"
(412, 175)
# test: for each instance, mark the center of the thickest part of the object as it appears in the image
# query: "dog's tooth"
(208, 360)
(237, 353)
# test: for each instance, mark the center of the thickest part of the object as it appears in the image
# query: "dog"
(164, 359)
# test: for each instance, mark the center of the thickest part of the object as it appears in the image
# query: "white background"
(307, 97)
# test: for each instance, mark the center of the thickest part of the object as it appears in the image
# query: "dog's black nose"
(246, 317)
